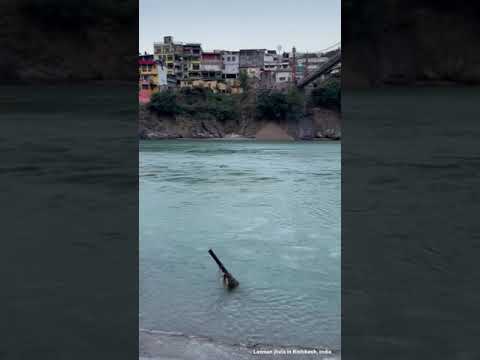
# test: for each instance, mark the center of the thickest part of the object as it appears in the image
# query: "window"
(282, 78)
(196, 67)
(234, 58)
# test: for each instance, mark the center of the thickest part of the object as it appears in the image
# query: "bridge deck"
(324, 68)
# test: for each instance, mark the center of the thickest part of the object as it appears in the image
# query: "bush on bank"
(203, 103)
(276, 105)
(328, 96)
(164, 103)
(195, 102)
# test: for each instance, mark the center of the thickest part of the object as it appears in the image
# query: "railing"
(324, 68)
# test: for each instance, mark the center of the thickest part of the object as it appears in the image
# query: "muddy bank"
(319, 124)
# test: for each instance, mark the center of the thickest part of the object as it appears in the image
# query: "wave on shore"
(155, 345)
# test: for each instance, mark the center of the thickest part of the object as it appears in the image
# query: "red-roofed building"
(152, 76)
(211, 65)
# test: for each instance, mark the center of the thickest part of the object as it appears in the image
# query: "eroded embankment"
(319, 124)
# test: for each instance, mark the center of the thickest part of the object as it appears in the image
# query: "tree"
(295, 103)
(272, 105)
(328, 96)
(244, 81)
(164, 103)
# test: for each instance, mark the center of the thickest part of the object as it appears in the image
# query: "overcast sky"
(310, 25)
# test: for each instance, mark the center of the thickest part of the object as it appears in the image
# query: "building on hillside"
(152, 76)
(252, 61)
(270, 60)
(192, 59)
(285, 61)
(171, 54)
(283, 76)
(231, 65)
(211, 66)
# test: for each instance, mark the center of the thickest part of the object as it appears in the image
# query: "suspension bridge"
(324, 69)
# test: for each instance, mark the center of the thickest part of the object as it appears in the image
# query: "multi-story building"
(211, 66)
(283, 76)
(188, 66)
(152, 76)
(271, 60)
(252, 62)
(171, 54)
(231, 64)
(192, 57)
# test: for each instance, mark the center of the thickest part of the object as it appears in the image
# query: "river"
(270, 211)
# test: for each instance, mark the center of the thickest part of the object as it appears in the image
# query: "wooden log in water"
(231, 282)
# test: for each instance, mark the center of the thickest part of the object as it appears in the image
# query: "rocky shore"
(320, 124)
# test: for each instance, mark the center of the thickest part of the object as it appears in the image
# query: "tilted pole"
(232, 283)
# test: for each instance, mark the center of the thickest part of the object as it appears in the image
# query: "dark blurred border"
(69, 189)
(410, 166)
(410, 42)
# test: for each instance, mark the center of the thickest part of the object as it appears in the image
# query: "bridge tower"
(294, 65)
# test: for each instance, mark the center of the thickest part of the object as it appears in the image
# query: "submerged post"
(231, 282)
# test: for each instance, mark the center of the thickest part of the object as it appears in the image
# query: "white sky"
(309, 25)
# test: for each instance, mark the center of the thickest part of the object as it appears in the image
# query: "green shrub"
(195, 102)
(271, 105)
(164, 103)
(244, 81)
(327, 96)
(276, 105)
(223, 107)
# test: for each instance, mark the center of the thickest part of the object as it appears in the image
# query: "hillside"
(266, 115)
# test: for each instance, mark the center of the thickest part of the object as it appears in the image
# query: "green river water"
(271, 212)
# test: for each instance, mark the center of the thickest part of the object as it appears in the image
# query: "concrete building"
(152, 76)
(270, 60)
(252, 61)
(211, 66)
(192, 58)
(171, 54)
(231, 64)
(283, 76)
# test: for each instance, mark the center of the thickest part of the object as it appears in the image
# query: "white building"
(162, 75)
(270, 60)
(231, 64)
(283, 76)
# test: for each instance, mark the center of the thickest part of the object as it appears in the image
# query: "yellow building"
(192, 56)
(170, 54)
(148, 73)
(152, 76)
